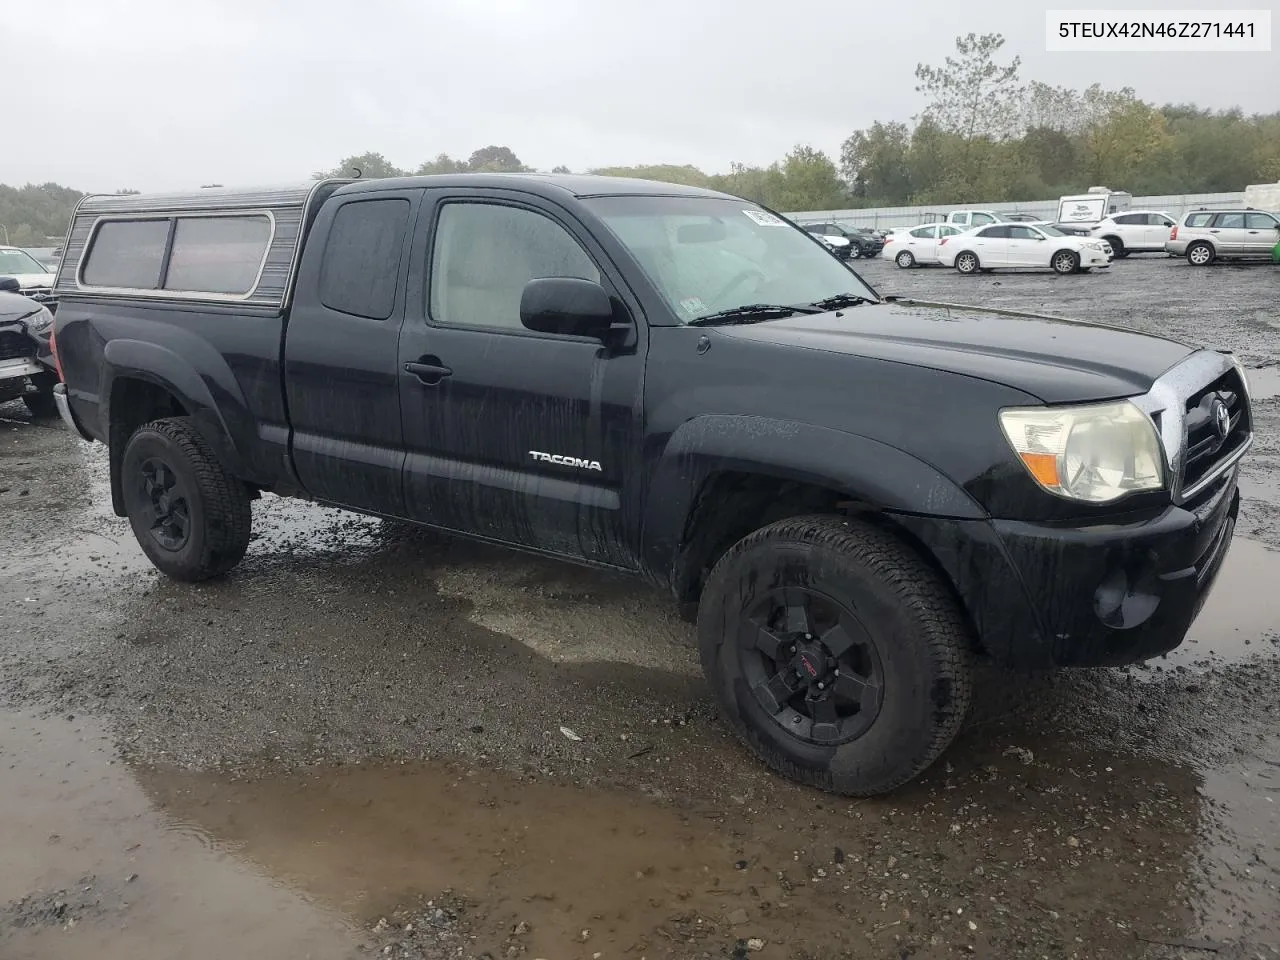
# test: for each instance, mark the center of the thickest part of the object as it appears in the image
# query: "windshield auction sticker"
(764, 219)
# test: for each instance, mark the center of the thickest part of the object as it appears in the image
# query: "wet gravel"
(1101, 813)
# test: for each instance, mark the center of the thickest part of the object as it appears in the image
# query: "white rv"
(1094, 206)
(1263, 196)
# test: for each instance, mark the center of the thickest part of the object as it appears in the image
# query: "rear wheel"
(854, 252)
(906, 259)
(835, 653)
(190, 515)
(967, 262)
(1065, 261)
(1200, 254)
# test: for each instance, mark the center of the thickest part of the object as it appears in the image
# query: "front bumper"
(64, 411)
(1047, 595)
(19, 367)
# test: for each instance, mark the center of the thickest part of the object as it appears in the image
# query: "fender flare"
(866, 470)
(208, 401)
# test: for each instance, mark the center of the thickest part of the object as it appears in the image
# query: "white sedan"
(917, 246)
(1021, 245)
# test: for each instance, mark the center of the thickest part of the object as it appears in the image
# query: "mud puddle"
(91, 869)
(1241, 619)
(1264, 383)
(1013, 853)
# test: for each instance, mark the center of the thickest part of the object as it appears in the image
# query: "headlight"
(1095, 453)
(1094, 246)
(40, 321)
(1240, 369)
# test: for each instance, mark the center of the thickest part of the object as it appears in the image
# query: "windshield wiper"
(751, 313)
(841, 300)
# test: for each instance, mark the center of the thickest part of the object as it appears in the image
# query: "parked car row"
(1202, 236)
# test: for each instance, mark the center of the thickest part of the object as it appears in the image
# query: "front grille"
(15, 345)
(1207, 443)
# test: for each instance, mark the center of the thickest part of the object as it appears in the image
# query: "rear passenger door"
(488, 403)
(341, 350)
(992, 246)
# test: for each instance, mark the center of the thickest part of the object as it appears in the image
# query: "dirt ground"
(355, 744)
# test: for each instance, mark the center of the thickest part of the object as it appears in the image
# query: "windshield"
(18, 261)
(706, 255)
(1051, 231)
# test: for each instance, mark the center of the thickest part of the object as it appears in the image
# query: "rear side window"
(1130, 219)
(362, 257)
(997, 232)
(218, 254)
(127, 254)
(1199, 219)
(1230, 221)
(924, 232)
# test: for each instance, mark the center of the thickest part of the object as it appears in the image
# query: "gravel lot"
(354, 744)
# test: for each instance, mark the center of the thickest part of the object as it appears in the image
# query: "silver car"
(1204, 236)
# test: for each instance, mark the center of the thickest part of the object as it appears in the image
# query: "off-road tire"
(218, 503)
(905, 260)
(922, 639)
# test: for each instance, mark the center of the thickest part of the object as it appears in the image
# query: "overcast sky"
(159, 94)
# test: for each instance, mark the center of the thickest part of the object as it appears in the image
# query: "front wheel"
(836, 653)
(905, 260)
(40, 402)
(854, 253)
(190, 515)
(1065, 261)
(967, 263)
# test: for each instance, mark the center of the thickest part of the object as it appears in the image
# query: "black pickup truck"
(856, 496)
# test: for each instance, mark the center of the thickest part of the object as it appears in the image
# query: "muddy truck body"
(855, 497)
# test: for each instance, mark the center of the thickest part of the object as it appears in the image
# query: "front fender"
(866, 470)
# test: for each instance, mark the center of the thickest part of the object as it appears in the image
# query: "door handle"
(1215, 231)
(429, 370)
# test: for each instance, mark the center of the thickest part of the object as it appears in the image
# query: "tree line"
(983, 135)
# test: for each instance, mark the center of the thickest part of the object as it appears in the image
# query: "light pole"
(6, 234)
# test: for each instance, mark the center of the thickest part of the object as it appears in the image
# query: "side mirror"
(566, 305)
(10, 285)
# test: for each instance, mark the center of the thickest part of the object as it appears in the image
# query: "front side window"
(485, 253)
(706, 255)
(362, 257)
(127, 254)
(983, 218)
(218, 254)
(1023, 233)
(1259, 221)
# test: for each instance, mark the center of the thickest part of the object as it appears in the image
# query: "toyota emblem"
(1221, 419)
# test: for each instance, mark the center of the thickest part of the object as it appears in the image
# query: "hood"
(1056, 360)
(28, 280)
(14, 307)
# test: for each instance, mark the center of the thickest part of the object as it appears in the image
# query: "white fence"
(879, 217)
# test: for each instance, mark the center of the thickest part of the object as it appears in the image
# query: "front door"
(1229, 233)
(1260, 233)
(525, 438)
(1026, 247)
